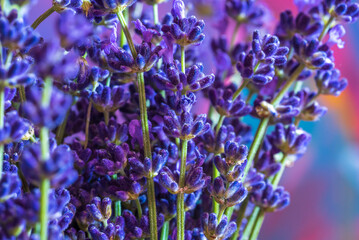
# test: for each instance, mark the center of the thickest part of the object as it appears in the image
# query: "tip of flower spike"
(178, 9)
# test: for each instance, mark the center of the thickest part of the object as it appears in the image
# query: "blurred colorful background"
(324, 184)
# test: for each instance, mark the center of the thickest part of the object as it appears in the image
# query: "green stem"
(155, 13)
(147, 151)
(123, 22)
(117, 208)
(2, 4)
(326, 28)
(234, 34)
(42, 17)
(229, 212)
(123, 37)
(240, 89)
(287, 85)
(139, 208)
(25, 184)
(257, 226)
(215, 208)
(250, 223)
(220, 123)
(88, 119)
(183, 59)
(215, 170)
(221, 212)
(45, 183)
(210, 112)
(264, 122)
(22, 94)
(144, 117)
(152, 208)
(61, 129)
(180, 196)
(165, 230)
(106, 116)
(279, 175)
(256, 143)
(117, 203)
(240, 217)
(44, 202)
(298, 85)
(145, 130)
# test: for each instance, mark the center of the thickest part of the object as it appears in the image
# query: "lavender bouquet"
(98, 134)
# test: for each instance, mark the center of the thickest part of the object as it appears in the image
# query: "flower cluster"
(103, 127)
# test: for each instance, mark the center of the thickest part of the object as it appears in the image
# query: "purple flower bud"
(50, 116)
(10, 186)
(270, 199)
(58, 168)
(107, 99)
(99, 209)
(290, 140)
(248, 12)
(15, 34)
(73, 28)
(214, 229)
(178, 9)
(258, 64)
(14, 129)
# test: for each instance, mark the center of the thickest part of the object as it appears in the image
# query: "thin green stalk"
(2, 113)
(123, 22)
(287, 85)
(279, 175)
(210, 112)
(2, 4)
(215, 205)
(118, 208)
(326, 28)
(45, 183)
(147, 150)
(22, 94)
(61, 129)
(155, 13)
(42, 17)
(220, 123)
(44, 203)
(123, 37)
(139, 208)
(145, 130)
(165, 230)
(144, 117)
(257, 226)
(256, 143)
(24, 183)
(106, 116)
(180, 196)
(298, 85)
(240, 217)
(117, 203)
(229, 212)
(221, 212)
(152, 208)
(240, 89)
(88, 119)
(234, 35)
(264, 122)
(183, 59)
(248, 229)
